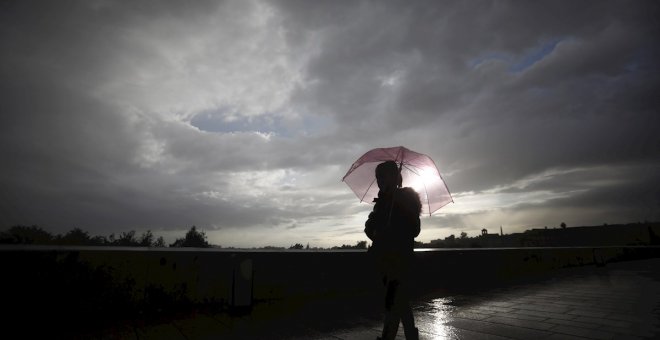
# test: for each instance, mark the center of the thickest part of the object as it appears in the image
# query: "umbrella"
(417, 170)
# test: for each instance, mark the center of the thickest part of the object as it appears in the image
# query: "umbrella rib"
(411, 168)
(426, 192)
(446, 186)
(366, 191)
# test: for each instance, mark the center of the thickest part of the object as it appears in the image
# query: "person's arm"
(370, 226)
(376, 218)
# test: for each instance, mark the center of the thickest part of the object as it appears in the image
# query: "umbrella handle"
(399, 184)
(389, 215)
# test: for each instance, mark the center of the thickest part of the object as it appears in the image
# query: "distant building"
(605, 235)
(489, 240)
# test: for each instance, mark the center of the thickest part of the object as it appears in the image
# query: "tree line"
(299, 246)
(78, 237)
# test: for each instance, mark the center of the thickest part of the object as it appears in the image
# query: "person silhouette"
(392, 227)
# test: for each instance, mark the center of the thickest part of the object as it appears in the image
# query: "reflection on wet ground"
(438, 313)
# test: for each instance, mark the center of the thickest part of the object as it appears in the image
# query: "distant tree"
(127, 239)
(98, 241)
(358, 245)
(297, 246)
(450, 238)
(343, 246)
(563, 225)
(307, 247)
(75, 236)
(146, 239)
(160, 242)
(26, 235)
(463, 235)
(194, 238)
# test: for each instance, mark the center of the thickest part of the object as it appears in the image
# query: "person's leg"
(408, 321)
(405, 312)
(398, 309)
(392, 312)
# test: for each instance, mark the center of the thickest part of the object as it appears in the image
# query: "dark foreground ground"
(617, 301)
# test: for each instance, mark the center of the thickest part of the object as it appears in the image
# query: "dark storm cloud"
(589, 100)
(247, 113)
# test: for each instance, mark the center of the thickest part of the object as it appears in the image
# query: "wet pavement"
(617, 301)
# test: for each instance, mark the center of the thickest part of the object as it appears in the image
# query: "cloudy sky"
(241, 117)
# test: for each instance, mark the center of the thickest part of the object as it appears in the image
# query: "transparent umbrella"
(417, 170)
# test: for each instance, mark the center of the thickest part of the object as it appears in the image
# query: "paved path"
(618, 301)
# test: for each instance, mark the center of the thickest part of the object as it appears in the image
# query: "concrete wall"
(231, 277)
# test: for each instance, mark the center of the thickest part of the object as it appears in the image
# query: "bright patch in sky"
(216, 121)
(268, 123)
(533, 56)
(517, 63)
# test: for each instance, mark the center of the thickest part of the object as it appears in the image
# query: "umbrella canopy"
(417, 170)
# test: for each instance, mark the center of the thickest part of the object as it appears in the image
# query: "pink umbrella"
(417, 170)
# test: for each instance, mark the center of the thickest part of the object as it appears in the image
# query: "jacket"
(394, 222)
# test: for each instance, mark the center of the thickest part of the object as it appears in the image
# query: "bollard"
(242, 287)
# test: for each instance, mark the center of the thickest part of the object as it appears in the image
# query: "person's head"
(388, 175)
